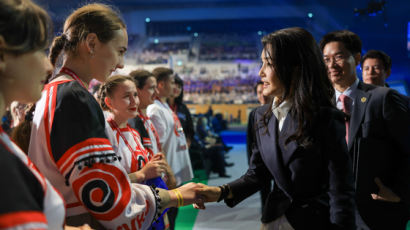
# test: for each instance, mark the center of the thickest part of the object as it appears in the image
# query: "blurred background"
(214, 45)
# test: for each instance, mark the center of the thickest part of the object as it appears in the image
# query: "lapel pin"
(363, 99)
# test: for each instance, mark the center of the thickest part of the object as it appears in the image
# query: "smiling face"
(107, 57)
(23, 76)
(374, 72)
(341, 64)
(124, 101)
(147, 93)
(271, 83)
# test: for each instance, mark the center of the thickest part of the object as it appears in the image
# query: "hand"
(154, 168)
(209, 193)
(158, 156)
(190, 193)
(385, 193)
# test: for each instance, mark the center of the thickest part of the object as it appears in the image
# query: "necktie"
(346, 109)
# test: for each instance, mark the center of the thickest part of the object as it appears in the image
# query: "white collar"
(281, 111)
(350, 92)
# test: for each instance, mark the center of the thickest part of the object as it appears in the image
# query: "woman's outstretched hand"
(189, 192)
(207, 194)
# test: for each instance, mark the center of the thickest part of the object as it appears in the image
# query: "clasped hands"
(198, 194)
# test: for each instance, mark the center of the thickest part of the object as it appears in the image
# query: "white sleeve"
(158, 118)
(110, 197)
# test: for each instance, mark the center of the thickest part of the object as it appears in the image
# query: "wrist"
(225, 192)
(137, 177)
(167, 200)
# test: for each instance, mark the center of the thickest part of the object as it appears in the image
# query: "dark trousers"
(172, 216)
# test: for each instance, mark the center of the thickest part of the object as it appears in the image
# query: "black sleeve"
(256, 176)
(249, 135)
(77, 117)
(396, 114)
(341, 188)
(21, 195)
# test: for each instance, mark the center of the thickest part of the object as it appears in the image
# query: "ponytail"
(56, 47)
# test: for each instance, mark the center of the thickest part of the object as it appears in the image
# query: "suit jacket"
(379, 144)
(314, 185)
(249, 137)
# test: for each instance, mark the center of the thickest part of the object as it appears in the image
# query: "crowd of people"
(225, 47)
(231, 90)
(335, 149)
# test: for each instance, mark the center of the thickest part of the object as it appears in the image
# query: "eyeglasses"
(338, 58)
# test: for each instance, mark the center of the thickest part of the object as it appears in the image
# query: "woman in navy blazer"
(298, 141)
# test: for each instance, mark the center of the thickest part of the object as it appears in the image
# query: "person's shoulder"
(374, 89)
(18, 173)
(261, 110)
(381, 93)
(153, 109)
(72, 92)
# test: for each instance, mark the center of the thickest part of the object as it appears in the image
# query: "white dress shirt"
(281, 111)
(351, 92)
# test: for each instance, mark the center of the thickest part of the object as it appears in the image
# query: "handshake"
(197, 194)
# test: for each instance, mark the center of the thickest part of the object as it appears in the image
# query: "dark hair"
(377, 54)
(256, 86)
(24, 26)
(92, 18)
(140, 76)
(180, 82)
(109, 86)
(162, 73)
(350, 40)
(298, 64)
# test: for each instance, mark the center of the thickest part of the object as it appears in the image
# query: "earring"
(92, 53)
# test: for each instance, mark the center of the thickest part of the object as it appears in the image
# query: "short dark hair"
(24, 26)
(350, 40)
(162, 73)
(377, 54)
(140, 76)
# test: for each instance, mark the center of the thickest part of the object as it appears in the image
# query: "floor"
(245, 215)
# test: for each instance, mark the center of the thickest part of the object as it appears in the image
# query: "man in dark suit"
(378, 136)
(376, 67)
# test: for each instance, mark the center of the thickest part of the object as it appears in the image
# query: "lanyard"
(73, 75)
(115, 126)
(151, 126)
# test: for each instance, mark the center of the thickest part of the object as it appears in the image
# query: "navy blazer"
(379, 143)
(315, 184)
